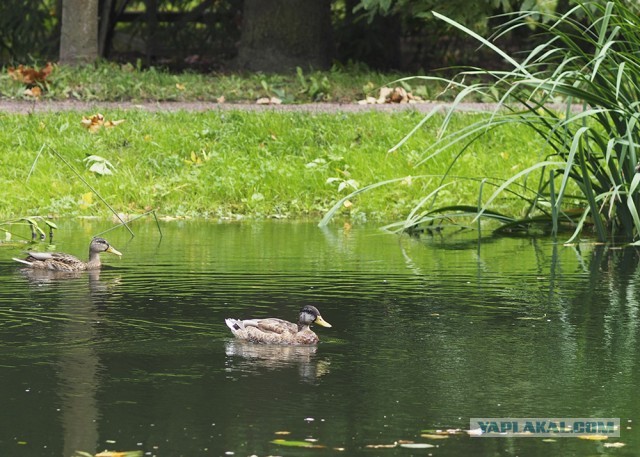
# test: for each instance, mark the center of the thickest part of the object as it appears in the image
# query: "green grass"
(241, 164)
(115, 82)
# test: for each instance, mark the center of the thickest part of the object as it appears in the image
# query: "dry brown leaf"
(269, 101)
(391, 95)
(29, 75)
(93, 123)
(34, 92)
(113, 123)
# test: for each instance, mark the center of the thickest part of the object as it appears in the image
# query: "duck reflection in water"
(253, 357)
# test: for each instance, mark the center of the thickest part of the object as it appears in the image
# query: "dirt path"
(25, 107)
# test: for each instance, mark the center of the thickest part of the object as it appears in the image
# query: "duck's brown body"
(59, 261)
(277, 331)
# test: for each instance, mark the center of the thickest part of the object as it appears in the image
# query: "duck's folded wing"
(42, 255)
(272, 325)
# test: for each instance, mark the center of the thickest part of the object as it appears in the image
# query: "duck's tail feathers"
(23, 261)
(234, 325)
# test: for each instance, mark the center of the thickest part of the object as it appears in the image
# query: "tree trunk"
(79, 32)
(280, 35)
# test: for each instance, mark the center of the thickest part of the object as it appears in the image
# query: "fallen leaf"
(367, 101)
(417, 445)
(305, 444)
(96, 121)
(381, 446)
(614, 445)
(113, 123)
(269, 101)
(449, 431)
(432, 436)
(594, 437)
(29, 75)
(34, 92)
(391, 95)
(119, 454)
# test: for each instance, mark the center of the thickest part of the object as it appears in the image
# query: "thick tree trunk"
(79, 32)
(280, 35)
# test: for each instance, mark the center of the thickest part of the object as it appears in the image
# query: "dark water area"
(426, 335)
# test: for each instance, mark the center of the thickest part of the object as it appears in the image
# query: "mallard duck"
(277, 331)
(59, 261)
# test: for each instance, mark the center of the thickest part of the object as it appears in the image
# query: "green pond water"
(427, 333)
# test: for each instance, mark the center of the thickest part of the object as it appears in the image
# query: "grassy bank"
(238, 164)
(127, 82)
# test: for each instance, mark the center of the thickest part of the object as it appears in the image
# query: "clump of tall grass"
(590, 63)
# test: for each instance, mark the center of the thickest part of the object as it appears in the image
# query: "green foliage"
(475, 14)
(27, 29)
(591, 166)
(37, 232)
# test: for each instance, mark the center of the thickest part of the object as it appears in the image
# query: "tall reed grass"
(580, 91)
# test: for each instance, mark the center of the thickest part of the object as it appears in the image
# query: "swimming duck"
(59, 261)
(277, 331)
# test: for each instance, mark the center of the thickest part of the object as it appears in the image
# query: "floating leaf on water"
(449, 431)
(434, 436)
(531, 318)
(417, 445)
(594, 437)
(381, 446)
(292, 443)
(119, 454)
(82, 454)
(614, 445)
